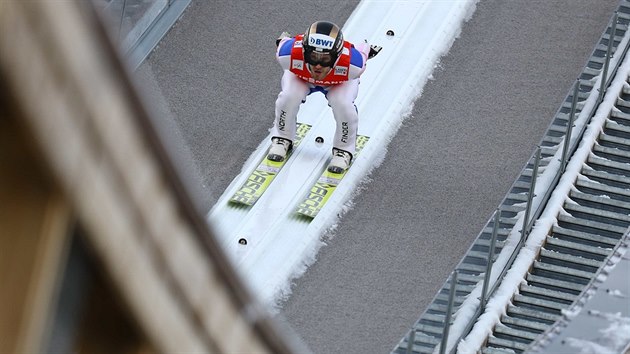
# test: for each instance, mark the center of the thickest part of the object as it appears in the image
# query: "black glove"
(282, 35)
(374, 50)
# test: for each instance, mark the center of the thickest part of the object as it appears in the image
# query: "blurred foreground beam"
(34, 222)
(96, 138)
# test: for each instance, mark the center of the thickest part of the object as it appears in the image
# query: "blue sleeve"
(356, 58)
(286, 48)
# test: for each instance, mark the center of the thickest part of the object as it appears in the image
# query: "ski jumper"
(340, 87)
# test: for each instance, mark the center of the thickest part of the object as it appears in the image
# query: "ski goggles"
(315, 58)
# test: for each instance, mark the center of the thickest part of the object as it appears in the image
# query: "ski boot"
(279, 149)
(340, 161)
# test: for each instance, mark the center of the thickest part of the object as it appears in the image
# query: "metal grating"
(574, 250)
(577, 248)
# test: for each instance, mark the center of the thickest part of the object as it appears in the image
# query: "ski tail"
(260, 179)
(326, 184)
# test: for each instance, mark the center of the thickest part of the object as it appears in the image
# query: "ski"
(263, 175)
(325, 186)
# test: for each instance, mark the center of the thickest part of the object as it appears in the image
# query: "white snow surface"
(280, 246)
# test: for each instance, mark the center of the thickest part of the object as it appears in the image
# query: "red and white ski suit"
(340, 87)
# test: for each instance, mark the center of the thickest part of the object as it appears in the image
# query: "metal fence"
(138, 25)
(431, 332)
